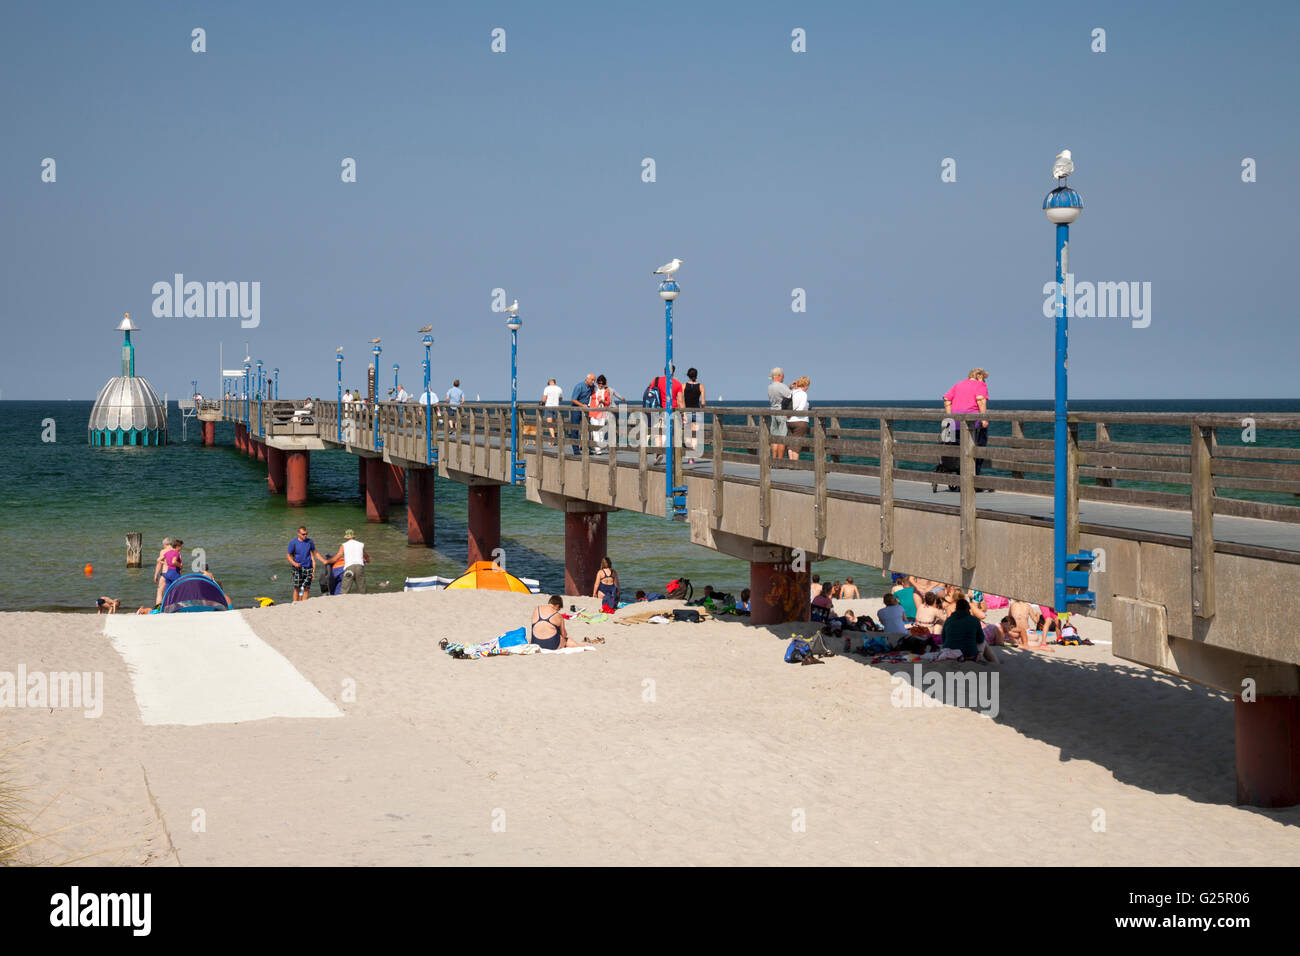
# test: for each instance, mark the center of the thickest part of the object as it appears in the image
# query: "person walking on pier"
(552, 395)
(600, 399)
(693, 398)
(302, 554)
(454, 394)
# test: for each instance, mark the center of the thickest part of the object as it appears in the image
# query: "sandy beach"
(669, 744)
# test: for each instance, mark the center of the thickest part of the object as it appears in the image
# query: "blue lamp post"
(338, 361)
(427, 341)
(247, 397)
(261, 389)
(676, 501)
(394, 379)
(514, 325)
(1062, 207)
(376, 350)
(276, 387)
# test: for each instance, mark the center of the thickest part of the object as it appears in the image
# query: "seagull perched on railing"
(427, 328)
(668, 269)
(1063, 166)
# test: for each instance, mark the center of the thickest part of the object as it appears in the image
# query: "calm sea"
(66, 505)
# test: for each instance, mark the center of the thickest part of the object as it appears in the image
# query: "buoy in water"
(89, 569)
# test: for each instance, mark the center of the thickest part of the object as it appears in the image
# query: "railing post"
(967, 483)
(539, 458)
(819, 479)
(1203, 600)
(1103, 435)
(562, 446)
(717, 469)
(1017, 431)
(584, 434)
(643, 467)
(611, 449)
(886, 486)
(1072, 487)
(764, 473)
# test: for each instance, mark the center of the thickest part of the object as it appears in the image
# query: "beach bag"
(513, 638)
(686, 614)
(797, 651)
(680, 589)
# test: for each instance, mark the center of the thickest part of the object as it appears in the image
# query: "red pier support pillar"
(1268, 751)
(276, 473)
(209, 434)
(585, 536)
(396, 484)
(361, 477)
(778, 594)
(259, 449)
(296, 474)
(419, 506)
(376, 489)
(239, 437)
(484, 521)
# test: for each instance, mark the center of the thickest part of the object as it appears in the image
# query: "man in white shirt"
(347, 394)
(402, 394)
(355, 559)
(552, 395)
(429, 398)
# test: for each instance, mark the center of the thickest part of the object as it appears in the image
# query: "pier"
(1182, 574)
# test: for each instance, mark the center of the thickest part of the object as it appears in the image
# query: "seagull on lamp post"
(1063, 166)
(427, 328)
(374, 341)
(512, 308)
(667, 269)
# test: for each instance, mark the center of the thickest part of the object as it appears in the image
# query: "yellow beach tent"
(486, 576)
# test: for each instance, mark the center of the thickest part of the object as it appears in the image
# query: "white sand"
(672, 743)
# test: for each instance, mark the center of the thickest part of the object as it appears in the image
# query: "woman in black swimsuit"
(693, 397)
(606, 584)
(547, 627)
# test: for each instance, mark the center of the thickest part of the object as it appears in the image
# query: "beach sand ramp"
(193, 669)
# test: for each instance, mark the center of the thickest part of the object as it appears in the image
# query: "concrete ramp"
(209, 668)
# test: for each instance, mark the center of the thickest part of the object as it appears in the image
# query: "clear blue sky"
(775, 170)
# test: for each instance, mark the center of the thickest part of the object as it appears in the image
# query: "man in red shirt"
(677, 392)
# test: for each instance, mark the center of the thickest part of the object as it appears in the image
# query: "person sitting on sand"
(963, 631)
(905, 591)
(850, 590)
(743, 603)
(107, 605)
(823, 598)
(891, 616)
(546, 629)
(1012, 634)
(640, 597)
(931, 614)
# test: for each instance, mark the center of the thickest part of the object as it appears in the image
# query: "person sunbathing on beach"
(546, 629)
(1012, 634)
(931, 614)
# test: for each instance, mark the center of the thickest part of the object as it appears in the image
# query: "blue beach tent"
(194, 592)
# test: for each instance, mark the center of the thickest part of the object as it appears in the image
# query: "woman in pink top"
(967, 397)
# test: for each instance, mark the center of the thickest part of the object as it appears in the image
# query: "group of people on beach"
(168, 566)
(345, 570)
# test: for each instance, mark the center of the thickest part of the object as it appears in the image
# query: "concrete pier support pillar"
(419, 506)
(585, 536)
(376, 489)
(778, 593)
(1268, 751)
(396, 484)
(276, 473)
(296, 475)
(484, 521)
(209, 434)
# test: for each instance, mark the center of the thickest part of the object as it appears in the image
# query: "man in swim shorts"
(302, 554)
